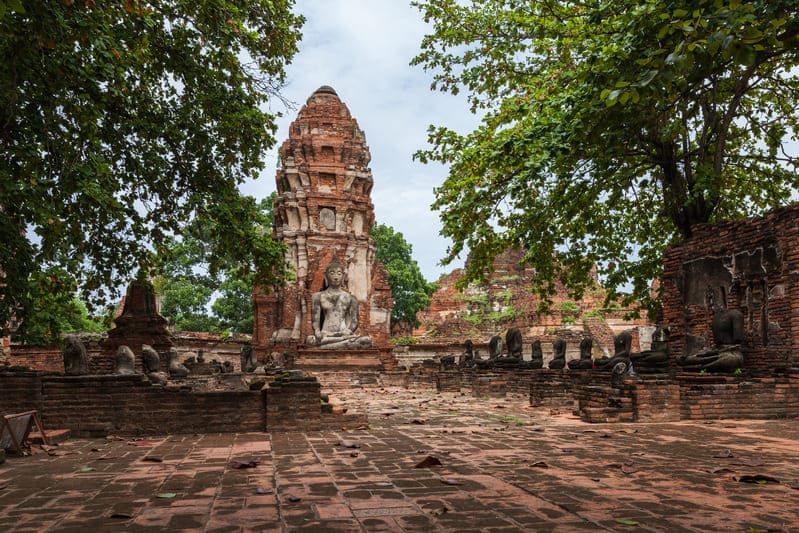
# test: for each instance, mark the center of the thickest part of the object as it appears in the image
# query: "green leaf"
(746, 55)
(625, 522)
(166, 495)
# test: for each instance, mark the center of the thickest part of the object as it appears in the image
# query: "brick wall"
(552, 388)
(656, 399)
(293, 405)
(46, 358)
(129, 405)
(748, 265)
(714, 397)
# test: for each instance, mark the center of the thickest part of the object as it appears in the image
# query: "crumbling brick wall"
(750, 265)
(129, 405)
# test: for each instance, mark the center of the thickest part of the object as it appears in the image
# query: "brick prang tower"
(323, 208)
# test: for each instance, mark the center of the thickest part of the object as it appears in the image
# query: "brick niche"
(751, 265)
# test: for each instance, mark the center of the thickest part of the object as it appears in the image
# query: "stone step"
(55, 436)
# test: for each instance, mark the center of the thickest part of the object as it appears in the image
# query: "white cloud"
(362, 48)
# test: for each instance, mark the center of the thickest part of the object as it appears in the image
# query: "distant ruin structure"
(324, 210)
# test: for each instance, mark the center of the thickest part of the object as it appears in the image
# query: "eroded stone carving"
(513, 341)
(76, 361)
(656, 359)
(537, 358)
(248, 362)
(125, 361)
(467, 359)
(586, 360)
(494, 347)
(149, 359)
(176, 368)
(559, 359)
(622, 344)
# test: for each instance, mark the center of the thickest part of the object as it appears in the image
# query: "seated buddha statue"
(334, 314)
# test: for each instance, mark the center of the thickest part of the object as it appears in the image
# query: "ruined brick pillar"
(323, 208)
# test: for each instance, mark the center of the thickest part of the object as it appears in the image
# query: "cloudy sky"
(362, 48)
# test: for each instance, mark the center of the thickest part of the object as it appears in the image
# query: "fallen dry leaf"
(261, 490)
(428, 462)
(245, 464)
(451, 481)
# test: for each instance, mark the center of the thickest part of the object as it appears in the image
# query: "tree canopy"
(410, 291)
(120, 122)
(610, 128)
(188, 286)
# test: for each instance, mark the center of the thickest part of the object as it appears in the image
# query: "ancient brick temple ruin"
(505, 301)
(324, 209)
(749, 265)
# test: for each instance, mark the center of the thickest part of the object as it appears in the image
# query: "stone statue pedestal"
(318, 359)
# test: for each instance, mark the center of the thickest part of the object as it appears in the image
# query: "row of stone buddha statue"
(76, 362)
(654, 360)
(724, 356)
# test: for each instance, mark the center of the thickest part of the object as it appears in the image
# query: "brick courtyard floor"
(505, 467)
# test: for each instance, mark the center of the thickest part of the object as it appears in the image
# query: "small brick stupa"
(139, 323)
(323, 208)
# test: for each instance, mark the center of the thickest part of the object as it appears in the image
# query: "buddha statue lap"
(656, 359)
(622, 344)
(726, 356)
(585, 361)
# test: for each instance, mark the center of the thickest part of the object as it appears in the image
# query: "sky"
(362, 48)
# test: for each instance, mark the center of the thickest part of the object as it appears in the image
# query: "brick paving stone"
(664, 476)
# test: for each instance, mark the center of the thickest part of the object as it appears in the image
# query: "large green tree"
(198, 294)
(609, 128)
(120, 122)
(56, 309)
(410, 291)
